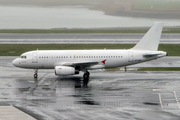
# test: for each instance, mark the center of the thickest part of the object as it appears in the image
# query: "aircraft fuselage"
(48, 59)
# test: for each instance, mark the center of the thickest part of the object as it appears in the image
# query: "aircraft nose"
(15, 62)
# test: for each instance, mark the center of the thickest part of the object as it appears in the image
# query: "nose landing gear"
(35, 73)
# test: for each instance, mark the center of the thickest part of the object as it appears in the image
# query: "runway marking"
(43, 79)
(176, 99)
(56, 81)
(156, 89)
(160, 101)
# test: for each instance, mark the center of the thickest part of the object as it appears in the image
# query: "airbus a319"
(71, 62)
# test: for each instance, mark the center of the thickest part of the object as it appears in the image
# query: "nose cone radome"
(15, 62)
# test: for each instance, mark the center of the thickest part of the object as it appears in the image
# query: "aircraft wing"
(82, 63)
(78, 63)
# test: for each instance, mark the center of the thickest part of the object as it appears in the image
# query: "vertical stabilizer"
(151, 39)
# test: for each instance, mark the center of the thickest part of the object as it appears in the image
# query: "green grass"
(108, 30)
(16, 50)
(155, 5)
(75, 31)
(159, 69)
(172, 50)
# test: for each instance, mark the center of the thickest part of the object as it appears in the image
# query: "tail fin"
(151, 39)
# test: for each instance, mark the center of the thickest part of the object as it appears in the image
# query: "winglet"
(151, 39)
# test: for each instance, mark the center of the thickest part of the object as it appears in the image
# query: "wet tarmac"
(111, 95)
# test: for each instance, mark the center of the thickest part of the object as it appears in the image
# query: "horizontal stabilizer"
(151, 55)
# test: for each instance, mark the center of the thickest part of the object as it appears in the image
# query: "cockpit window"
(24, 57)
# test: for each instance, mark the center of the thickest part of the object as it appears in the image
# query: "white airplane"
(71, 62)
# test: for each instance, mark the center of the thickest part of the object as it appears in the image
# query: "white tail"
(151, 39)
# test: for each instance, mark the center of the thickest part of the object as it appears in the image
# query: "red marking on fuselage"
(103, 61)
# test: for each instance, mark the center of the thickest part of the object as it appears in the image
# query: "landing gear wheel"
(86, 79)
(35, 75)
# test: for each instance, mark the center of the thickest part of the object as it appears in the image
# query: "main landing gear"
(35, 73)
(86, 78)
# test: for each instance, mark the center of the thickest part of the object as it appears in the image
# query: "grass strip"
(74, 31)
(105, 30)
(160, 69)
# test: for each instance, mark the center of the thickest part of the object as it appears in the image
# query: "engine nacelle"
(64, 70)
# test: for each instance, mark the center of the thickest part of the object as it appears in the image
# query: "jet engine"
(64, 70)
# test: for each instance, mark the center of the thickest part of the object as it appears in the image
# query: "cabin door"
(35, 57)
(130, 56)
